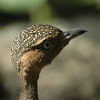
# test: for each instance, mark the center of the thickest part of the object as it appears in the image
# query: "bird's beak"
(68, 35)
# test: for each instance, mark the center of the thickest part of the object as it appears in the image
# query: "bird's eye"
(47, 45)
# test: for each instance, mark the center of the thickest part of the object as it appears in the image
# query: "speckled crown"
(28, 39)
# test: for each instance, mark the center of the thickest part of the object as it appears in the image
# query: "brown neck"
(30, 68)
(29, 85)
(29, 91)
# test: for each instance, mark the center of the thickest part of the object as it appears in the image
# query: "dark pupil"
(47, 44)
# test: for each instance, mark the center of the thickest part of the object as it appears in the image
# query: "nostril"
(68, 34)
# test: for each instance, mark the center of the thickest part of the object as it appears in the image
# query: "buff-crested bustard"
(35, 48)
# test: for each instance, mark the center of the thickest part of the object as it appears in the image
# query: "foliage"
(40, 10)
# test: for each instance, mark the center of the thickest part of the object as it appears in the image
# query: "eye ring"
(46, 45)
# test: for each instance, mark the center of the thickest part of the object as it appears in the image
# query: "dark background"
(75, 73)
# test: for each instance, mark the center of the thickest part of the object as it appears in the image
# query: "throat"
(29, 89)
(29, 74)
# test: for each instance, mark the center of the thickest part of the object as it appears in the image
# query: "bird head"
(48, 43)
(38, 45)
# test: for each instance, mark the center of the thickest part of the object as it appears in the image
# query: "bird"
(34, 48)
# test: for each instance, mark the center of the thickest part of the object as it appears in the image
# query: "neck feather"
(29, 89)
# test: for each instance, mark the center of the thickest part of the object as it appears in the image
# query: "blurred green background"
(75, 73)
